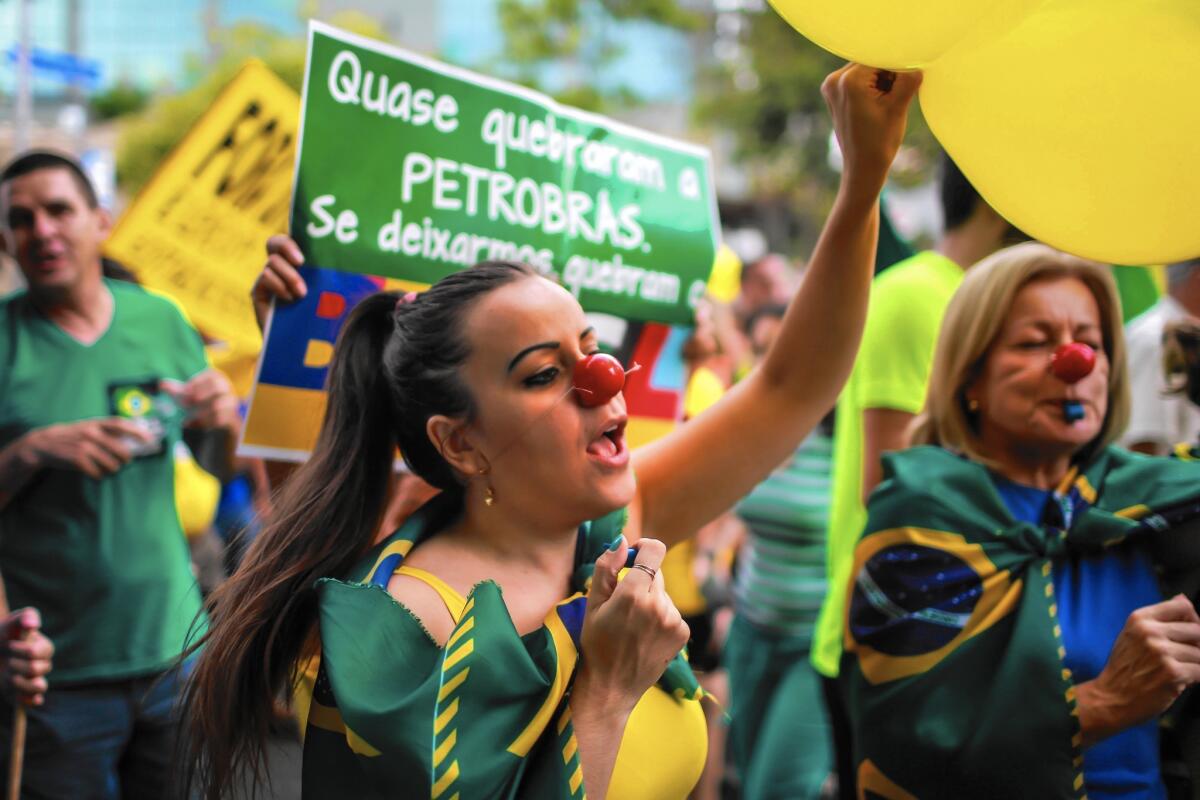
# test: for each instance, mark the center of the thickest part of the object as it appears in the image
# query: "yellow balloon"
(1081, 125)
(884, 33)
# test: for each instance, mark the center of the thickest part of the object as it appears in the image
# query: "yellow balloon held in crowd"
(1081, 125)
(884, 33)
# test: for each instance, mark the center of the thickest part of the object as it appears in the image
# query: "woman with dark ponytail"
(488, 648)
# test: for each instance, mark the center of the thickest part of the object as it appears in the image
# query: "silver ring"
(651, 571)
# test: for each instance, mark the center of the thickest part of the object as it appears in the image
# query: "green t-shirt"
(104, 560)
(908, 302)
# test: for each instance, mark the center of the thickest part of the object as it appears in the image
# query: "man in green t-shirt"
(97, 380)
(886, 389)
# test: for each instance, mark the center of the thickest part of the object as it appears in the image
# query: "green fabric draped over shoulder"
(953, 654)
(487, 716)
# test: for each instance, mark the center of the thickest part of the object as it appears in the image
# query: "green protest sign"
(412, 169)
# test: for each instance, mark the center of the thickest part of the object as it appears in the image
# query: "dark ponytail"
(394, 366)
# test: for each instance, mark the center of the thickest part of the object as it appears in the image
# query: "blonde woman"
(1007, 635)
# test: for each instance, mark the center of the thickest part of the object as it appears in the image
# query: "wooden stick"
(16, 754)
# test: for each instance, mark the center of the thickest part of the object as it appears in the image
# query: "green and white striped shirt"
(781, 579)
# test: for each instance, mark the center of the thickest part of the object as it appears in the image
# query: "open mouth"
(609, 446)
(47, 260)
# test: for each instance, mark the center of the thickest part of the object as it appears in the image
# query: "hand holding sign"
(279, 277)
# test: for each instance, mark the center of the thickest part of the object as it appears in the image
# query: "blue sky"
(147, 41)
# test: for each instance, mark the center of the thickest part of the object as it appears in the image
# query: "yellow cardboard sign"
(196, 231)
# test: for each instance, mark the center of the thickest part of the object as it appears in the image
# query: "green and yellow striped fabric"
(486, 716)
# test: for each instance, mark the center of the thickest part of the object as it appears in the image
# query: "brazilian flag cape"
(392, 714)
(953, 660)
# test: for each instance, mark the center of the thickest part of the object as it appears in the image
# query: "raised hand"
(870, 111)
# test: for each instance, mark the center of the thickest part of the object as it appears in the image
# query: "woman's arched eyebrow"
(543, 346)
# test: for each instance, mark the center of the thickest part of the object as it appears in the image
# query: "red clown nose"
(597, 379)
(1073, 362)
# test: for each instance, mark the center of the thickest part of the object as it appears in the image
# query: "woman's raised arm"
(687, 478)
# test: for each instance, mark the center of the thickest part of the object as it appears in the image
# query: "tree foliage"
(771, 107)
(564, 47)
(122, 98)
(767, 101)
(775, 111)
(147, 137)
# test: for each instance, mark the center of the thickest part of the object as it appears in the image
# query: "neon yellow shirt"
(908, 302)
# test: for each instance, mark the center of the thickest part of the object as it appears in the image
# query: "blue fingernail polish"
(630, 557)
(607, 548)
